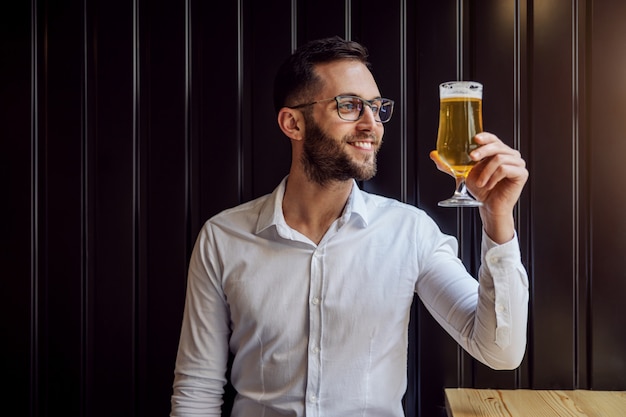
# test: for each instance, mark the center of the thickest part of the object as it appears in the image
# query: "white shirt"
(321, 330)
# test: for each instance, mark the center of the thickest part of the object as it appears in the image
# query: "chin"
(366, 175)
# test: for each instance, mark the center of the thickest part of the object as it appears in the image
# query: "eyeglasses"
(351, 108)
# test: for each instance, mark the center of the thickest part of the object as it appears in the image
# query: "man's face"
(335, 149)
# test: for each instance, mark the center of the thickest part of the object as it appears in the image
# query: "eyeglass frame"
(368, 103)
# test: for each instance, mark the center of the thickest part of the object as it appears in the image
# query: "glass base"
(460, 200)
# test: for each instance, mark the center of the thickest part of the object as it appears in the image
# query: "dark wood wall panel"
(492, 39)
(436, 62)
(18, 239)
(61, 172)
(215, 113)
(390, 73)
(438, 358)
(608, 229)
(267, 42)
(552, 200)
(126, 125)
(163, 195)
(113, 207)
(316, 19)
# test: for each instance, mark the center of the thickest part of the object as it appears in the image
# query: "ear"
(291, 123)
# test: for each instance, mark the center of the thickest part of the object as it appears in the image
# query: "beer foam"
(469, 89)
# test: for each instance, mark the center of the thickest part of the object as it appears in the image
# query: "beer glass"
(460, 119)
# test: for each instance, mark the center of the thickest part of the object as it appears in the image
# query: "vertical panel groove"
(403, 103)
(460, 368)
(34, 217)
(240, 104)
(136, 206)
(588, 342)
(348, 20)
(517, 115)
(516, 77)
(293, 27)
(188, 130)
(532, 270)
(575, 192)
(459, 39)
(84, 220)
(459, 76)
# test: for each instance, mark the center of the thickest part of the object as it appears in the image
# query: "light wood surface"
(470, 402)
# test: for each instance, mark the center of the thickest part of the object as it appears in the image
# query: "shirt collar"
(271, 213)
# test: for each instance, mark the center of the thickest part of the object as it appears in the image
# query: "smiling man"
(310, 287)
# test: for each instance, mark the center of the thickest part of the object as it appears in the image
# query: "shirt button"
(313, 398)
(315, 301)
(499, 308)
(315, 349)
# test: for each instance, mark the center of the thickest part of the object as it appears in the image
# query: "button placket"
(315, 332)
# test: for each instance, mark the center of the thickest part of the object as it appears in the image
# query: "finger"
(488, 165)
(484, 138)
(490, 145)
(490, 172)
(504, 172)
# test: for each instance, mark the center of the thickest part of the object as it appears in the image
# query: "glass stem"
(461, 188)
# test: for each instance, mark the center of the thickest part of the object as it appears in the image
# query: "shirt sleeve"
(488, 316)
(202, 359)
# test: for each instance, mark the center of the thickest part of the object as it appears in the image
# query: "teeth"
(366, 145)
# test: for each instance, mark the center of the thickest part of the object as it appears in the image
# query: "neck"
(311, 208)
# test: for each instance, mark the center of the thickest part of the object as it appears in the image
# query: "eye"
(350, 106)
(346, 106)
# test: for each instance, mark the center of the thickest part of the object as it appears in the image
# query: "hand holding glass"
(460, 119)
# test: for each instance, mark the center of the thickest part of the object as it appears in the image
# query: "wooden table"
(469, 402)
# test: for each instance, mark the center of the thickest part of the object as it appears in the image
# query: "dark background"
(125, 124)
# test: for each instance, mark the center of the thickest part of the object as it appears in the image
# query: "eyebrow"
(356, 95)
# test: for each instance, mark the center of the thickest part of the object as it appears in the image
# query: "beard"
(325, 158)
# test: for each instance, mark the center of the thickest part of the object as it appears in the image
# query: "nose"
(368, 117)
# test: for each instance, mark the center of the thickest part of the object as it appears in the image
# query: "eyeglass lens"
(351, 108)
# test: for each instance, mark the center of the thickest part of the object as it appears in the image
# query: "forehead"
(347, 77)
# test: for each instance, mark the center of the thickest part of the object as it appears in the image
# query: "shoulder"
(244, 215)
(378, 202)
(390, 212)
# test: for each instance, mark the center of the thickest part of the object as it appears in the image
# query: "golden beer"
(460, 119)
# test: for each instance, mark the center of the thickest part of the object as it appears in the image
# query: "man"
(310, 287)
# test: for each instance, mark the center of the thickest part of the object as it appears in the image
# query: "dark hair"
(296, 79)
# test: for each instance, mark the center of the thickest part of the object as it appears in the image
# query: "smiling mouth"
(363, 145)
